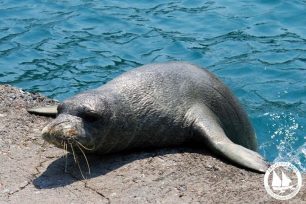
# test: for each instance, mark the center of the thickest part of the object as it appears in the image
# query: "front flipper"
(206, 127)
(45, 111)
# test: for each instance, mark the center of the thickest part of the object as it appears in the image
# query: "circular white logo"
(283, 180)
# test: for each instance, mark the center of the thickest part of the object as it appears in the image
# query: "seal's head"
(81, 120)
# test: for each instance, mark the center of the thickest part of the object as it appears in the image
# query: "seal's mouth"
(67, 130)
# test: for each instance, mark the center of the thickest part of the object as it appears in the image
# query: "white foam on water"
(284, 136)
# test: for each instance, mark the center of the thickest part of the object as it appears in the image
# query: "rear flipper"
(206, 126)
(45, 111)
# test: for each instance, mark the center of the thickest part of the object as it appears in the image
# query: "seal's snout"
(55, 134)
(63, 129)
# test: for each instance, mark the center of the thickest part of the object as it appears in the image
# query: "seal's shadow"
(55, 176)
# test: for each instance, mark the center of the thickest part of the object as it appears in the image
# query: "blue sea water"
(258, 48)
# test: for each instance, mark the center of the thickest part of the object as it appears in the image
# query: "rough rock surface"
(34, 172)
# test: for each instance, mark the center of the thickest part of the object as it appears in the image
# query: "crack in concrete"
(97, 192)
(37, 169)
(90, 188)
(20, 188)
(28, 182)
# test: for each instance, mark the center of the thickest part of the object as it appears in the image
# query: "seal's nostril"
(71, 133)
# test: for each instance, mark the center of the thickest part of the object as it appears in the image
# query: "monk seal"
(157, 105)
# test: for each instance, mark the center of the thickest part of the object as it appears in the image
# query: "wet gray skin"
(158, 105)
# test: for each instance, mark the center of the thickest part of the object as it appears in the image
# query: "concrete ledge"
(31, 172)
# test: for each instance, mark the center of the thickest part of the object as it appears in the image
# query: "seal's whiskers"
(66, 156)
(76, 161)
(80, 170)
(89, 149)
(73, 153)
(85, 158)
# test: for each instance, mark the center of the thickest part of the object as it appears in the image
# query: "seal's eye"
(90, 116)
